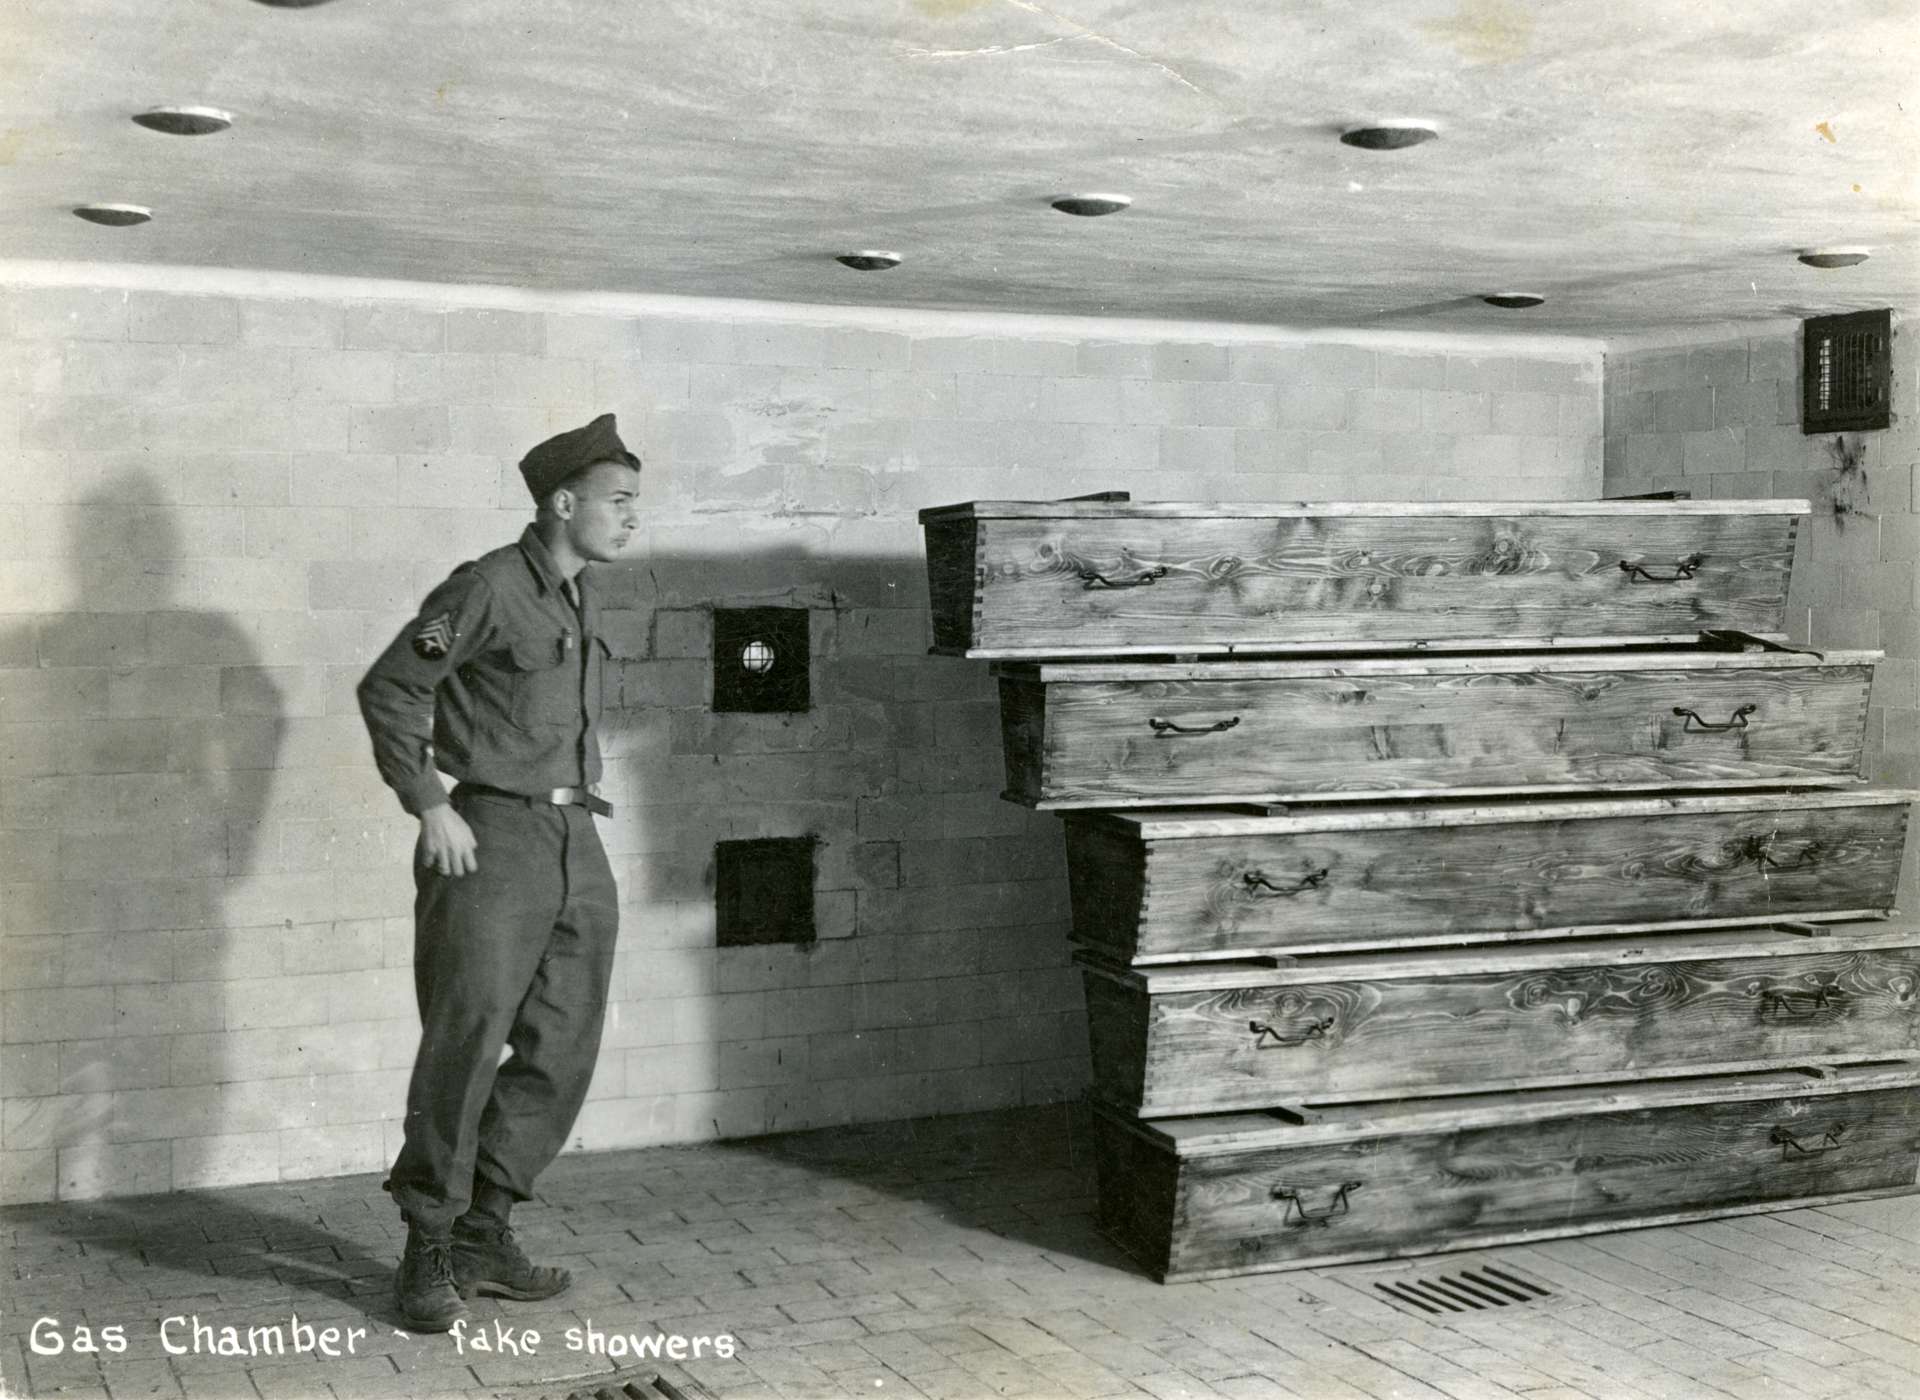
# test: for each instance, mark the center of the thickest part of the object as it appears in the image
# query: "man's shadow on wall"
(142, 787)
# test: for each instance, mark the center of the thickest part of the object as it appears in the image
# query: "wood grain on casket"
(1435, 882)
(1121, 506)
(1023, 736)
(1117, 1037)
(952, 568)
(1318, 737)
(1106, 881)
(1139, 1192)
(1533, 1175)
(1378, 580)
(1356, 1039)
(1609, 1167)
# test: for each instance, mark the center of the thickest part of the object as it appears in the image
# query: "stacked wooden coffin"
(1449, 875)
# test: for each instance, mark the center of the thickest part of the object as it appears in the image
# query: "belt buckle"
(588, 797)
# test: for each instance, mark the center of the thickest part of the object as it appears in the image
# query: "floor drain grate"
(625, 1385)
(1470, 1290)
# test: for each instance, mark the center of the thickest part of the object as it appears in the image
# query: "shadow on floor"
(334, 1258)
(748, 1238)
(1026, 1174)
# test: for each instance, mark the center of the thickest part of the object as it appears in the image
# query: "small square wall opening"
(761, 660)
(1846, 372)
(763, 891)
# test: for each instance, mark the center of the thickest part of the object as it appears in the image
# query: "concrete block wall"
(216, 506)
(1721, 418)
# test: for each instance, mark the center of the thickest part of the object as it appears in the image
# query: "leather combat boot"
(423, 1288)
(489, 1261)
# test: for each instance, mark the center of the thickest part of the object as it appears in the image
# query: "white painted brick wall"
(219, 508)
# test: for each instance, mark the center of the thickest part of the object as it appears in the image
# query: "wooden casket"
(1082, 734)
(1165, 885)
(1309, 1185)
(1210, 1037)
(1100, 577)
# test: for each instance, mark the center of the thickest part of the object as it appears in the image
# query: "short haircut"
(575, 480)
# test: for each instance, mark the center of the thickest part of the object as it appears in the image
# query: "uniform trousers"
(517, 956)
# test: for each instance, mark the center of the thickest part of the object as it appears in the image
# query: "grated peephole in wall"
(762, 661)
(1846, 372)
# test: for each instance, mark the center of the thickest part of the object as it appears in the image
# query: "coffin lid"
(1311, 1125)
(1499, 664)
(1238, 510)
(1775, 940)
(1180, 823)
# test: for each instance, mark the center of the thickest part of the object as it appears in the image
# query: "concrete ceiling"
(1643, 163)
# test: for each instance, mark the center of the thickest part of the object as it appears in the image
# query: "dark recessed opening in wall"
(761, 661)
(763, 890)
(1846, 372)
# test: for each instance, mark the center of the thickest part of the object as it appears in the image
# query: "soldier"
(497, 683)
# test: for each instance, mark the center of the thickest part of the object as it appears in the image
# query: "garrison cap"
(559, 457)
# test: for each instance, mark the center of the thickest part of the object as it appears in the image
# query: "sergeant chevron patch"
(434, 637)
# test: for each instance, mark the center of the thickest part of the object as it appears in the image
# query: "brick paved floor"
(947, 1258)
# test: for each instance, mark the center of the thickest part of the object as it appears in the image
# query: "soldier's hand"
(446, 842)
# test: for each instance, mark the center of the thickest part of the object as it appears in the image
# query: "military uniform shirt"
(496, 682)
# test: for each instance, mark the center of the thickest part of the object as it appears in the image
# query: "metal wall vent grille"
(1846, 372)
(1470, 1290)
